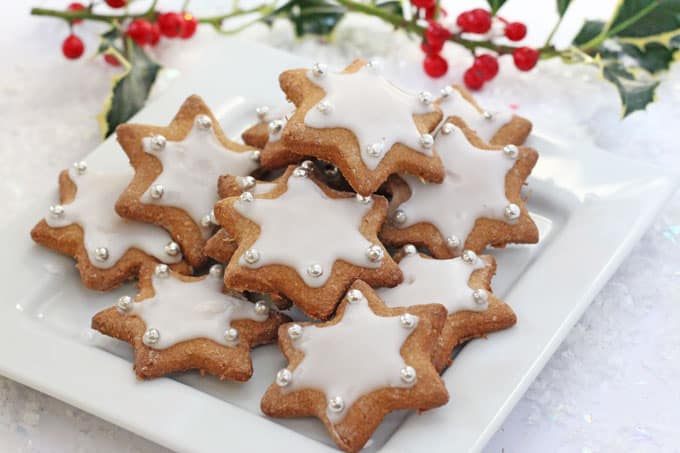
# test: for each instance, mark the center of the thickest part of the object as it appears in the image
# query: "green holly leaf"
(637, 18)
(392, 6)
(130, 89)
(589, 30)
(653, 57)
(635, 93)
(315, 17)
(562, 6)
(108, 39)
(495, 5)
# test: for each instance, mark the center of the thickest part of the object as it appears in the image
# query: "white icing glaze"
(431, 281)
(281, 113)
(92, 209)
(262, 188)
(352, 358)
(474, 187)
(374, 109)
(456, 105)
(191, 169)
(184, 311)
(304, 226)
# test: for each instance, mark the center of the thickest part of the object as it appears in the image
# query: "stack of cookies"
(363, 205)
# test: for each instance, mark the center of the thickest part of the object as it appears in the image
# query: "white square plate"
(591, 208)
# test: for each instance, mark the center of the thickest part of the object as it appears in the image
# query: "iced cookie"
(266, 135)
(362, 124)
(495, 128)
(350, 372)
(478, 204)
(178, 323)
(176, 172)
(109, 250)
(306, 242)
(462, 285)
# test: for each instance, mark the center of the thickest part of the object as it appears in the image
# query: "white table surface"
(614, 385)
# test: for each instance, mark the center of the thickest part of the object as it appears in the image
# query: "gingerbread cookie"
(176, 171)
(362, 124)
(306, 242)
(478, 203)
(109, 250)
(462, 285)
(266, 135)
(495, 128)
(350, 372)
(180, 323)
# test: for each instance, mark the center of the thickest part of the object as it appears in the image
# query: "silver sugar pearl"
(373, 64)
(330, 170)
(124, 305)
(216, 271)
(410, 249)
(251, 256)
(151, 336)
(374, 150)
(275, 126)
(480, 296)
(487, 115)
(255, 155)
(162, 271)
(57, 211)
(354, 296)
(426, 141)
(203, 122)
(231, 335)
(157, 191)
(324, 107)
(336, 404)
(469, 257)
(512, 212)
(315, 270)
(407, 321)
(101, 254)
(262, 112)
(399, 217)
(284, 377)
(158, 143)
(511, 151)
(261, 308)
(425, 97)
(295, 331)
(307, 165)
(375, 253)
(453, 242)
(300, 172)
(246, 182)
(408, 374)
(447, 128)
(80, 167)
(206, 221)
(364, 199)
(319, 70)
(246, 197)
(446, 91)
(172, 248)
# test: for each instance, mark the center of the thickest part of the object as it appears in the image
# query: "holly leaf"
(315, 17)
(129, 90)
(637, 18)
(108, 40)
(635, 94)
(562, 6)
(589, 30)
(495, 5)
(653, 57)
(392, 6)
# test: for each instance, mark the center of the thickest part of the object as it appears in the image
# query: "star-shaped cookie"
(350, 372)
(494, 128)
(306, 242)
(179, 323)
(478, 203)
(176, 172)
(462, 285)
(362, 124)
(109, 250)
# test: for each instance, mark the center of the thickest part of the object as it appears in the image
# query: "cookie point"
(203, 122)
(408, 374)
(284, 377)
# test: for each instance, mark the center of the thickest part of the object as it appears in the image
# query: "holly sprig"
(632, 49)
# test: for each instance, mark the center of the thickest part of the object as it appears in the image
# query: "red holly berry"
(487, 65)
(111, 59)
(435, 65)
(431, 49)
(140, 30)
(477, 20)
(116, 3)
(190, 25)
(515, 31)
(525, 58)
(155, 36)
(473, 78)
(72, 47)
(171, 24)
(424, 3)
(75, 6)
(436, 34)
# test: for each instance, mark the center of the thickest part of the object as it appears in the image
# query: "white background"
(614, 385)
